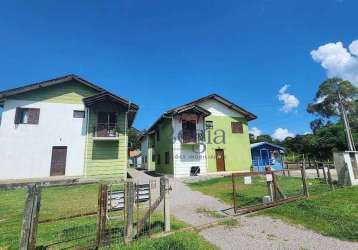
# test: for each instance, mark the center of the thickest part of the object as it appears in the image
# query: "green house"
(66, 126)
(204, 136)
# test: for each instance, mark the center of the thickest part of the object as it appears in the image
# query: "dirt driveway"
(253, 232)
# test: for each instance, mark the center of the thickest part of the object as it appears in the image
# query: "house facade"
(267, 154)
(64, 127)
(204, 136)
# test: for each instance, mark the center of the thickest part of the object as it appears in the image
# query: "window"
(27, 116)
(158, 135)
(78, 114)
(236, 127)
(189, 131)
(158, 159)
(167, 158)
(209, 124)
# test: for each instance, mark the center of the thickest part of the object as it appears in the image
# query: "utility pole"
(351, 146)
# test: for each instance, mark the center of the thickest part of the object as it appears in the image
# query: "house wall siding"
(186, 155)
(236, 145)
(71, 92)
(26, 149)
(106, 159)
(164, 145)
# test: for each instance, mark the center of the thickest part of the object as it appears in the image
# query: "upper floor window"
(209, 124)
(189, 131)
(158, 159)
(167, 158)
(236, 127)
(27, 116)
(158, 135)
(78, 114)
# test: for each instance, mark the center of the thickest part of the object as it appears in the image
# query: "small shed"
(267, 154)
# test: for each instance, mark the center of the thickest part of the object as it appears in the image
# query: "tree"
(260, 138)
(326, 101)
(133, 138)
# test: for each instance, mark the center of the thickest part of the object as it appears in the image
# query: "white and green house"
(64, 127)
(207, 135)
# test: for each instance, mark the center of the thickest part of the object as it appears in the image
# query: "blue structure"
(267, 154)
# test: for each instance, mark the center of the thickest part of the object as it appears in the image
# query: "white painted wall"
(218, 109)
(184, 157)
(25, 150)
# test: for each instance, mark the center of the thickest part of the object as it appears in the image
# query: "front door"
(220, 160)
(58, 161)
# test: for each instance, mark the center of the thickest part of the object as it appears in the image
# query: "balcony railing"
(106, 131)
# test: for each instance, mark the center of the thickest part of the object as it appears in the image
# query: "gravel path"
(254, 232)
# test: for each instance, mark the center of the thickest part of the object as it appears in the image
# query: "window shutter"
(236, 127)
(17, 116)
(34, 115)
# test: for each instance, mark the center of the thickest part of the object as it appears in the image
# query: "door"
(220, 160)
(58, 161)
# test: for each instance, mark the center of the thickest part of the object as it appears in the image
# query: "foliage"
(326, 101)
(262, 138)
(332, 213)
(134, 138)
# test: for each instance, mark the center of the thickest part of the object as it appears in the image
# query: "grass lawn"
(329, 213)
(176, 241)
(252, 194)
(60, 202)
(332, 213)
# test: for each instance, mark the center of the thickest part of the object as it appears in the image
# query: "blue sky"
(160, 54)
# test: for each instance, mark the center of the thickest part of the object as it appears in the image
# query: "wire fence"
(81, 215)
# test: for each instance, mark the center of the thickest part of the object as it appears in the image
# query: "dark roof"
(47, 83)
(101, 96)
(194, 104)
(249, 116)
(192, 108)
(257, 144)
(107, 96)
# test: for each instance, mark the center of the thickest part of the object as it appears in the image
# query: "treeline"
(328, 134)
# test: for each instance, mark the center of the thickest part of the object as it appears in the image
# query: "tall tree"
(326, 101)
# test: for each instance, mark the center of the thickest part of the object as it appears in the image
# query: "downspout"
(126, 139)
(86, 142)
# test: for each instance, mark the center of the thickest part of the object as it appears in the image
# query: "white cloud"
(255, 131)
(289, 101)
(281, 133)
(338, 61)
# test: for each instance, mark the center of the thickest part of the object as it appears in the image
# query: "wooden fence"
(111, 203)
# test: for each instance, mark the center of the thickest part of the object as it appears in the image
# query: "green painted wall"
(106, 159)
(71, 92)
(165, 144)
(236, 146)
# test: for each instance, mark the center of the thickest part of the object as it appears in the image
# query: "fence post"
(304, 180)
(101, 214)
(330, 177)
(288, 169)
(30, 218)
(317, 168)
(234, 195)
(129, 205)
(324, 173)
(164, 190)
